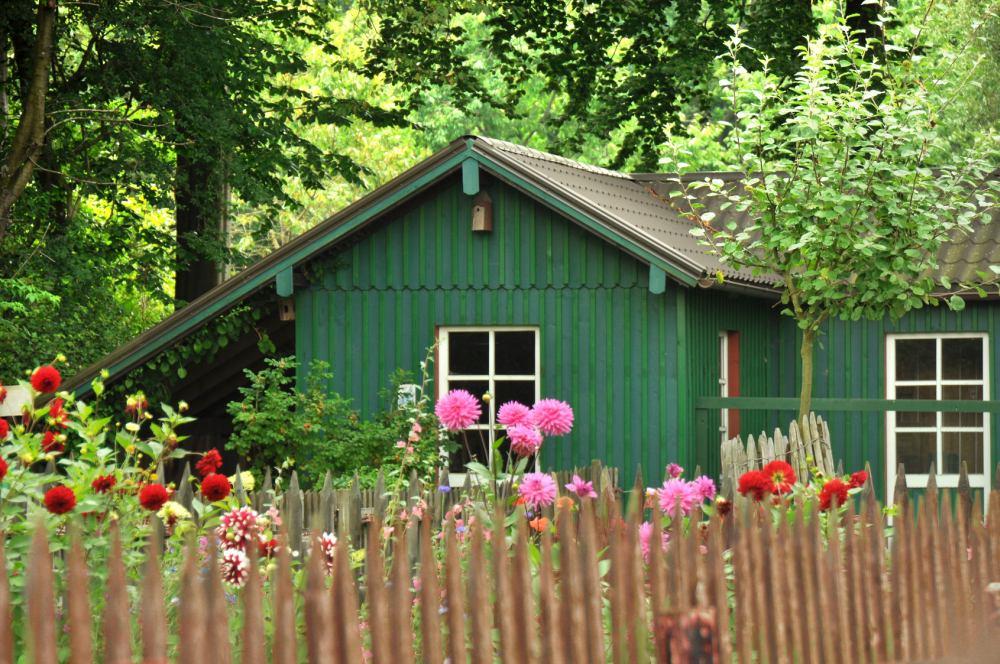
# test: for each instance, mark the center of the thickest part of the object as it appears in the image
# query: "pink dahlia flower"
(674, 470)
(524, 440)
(537, 489)
(458, 410)
(646, 534)
(553, 417)
(676, 494)
(581, 488)
(704, 486)
(513, 412)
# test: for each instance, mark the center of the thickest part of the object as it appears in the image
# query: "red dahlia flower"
(858, 479)
(756, 483)
(3, 469)
(46, 379)
(153, 496)
(103, 483)
(215, 487)
(782, 476)
(4, 428)
(60, 499)
(833, 489)
(50, 444)
(210, 462)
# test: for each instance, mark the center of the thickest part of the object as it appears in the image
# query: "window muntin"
(935, 367)
(502, 361)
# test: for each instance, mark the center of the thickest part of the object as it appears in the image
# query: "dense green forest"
(150, 148)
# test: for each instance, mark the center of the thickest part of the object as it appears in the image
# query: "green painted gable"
(607, 343)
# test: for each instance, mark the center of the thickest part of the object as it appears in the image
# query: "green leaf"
(956, 303)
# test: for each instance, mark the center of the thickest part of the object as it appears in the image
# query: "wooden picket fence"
(346, 511)
(804, 446)
(930, 592)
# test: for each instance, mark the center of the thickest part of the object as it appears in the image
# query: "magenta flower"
(704, 486)
(676, 494)
(458, 410)
(513, 412)
(537, 489)
(646, 534)
(674, 470)
(581, 488)
(524, 440)
(553, 417)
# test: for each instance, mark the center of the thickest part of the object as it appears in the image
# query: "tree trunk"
(29, 139)
(198, 200)
(806, 352)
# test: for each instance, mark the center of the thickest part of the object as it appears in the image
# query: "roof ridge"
(516, 148)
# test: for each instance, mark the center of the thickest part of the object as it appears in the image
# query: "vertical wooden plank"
(319, 627)
(552, 647)
(117, 620)
(193, 616)
(504, 604)
(401, 607)
(354, 513)
(285, 646)
(592, 619)
(479, 593)
(523, 595)
(217, 625)
(41, 602)
(378, 618)
(294, 513)
(326, 504)
(346, 602)
(152, 613)
(430, 598)
(252, 638)
(457, 649)
(79, 621)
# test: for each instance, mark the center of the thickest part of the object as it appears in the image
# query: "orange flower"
(540, 524)
(564, 502)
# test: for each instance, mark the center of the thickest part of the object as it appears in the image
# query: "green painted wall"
(851, 363)
(607, 344)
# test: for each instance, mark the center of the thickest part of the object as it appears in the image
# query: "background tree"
(852, 185)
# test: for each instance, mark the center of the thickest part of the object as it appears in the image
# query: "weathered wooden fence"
(346, 511)
(795, 592)
(802, 447)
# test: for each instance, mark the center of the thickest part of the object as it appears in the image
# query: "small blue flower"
(444, 489)
(460, 529)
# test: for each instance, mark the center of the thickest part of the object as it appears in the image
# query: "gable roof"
(630, 210)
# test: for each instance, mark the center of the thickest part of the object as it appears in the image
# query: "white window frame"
(944, 480)
(445, 376)
(724, 383)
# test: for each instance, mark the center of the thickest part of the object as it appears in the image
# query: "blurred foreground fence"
(738, 589)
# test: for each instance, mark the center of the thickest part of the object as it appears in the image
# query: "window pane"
(916, 450)
(916, 359)
(469, 353)
(515, 353)
(962, 359)
(916, 419)
(477, 388)
(514, 390)
(472, 445)
(963, 392)
(959, 446)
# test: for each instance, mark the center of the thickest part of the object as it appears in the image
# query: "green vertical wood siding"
(607, 343)
(850, 362)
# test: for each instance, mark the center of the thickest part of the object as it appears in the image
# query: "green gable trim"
(852, 405)
(470, 177)
(657, 280)
(284, 284)
(586, 220)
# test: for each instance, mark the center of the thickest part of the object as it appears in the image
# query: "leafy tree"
(852, 185)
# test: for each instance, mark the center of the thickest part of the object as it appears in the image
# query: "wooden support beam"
(284, 282)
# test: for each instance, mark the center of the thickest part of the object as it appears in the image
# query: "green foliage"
(312, 430)
(852, 186)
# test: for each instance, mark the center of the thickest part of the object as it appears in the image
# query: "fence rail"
(742, 589)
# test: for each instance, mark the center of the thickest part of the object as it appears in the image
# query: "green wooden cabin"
(539, 276)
